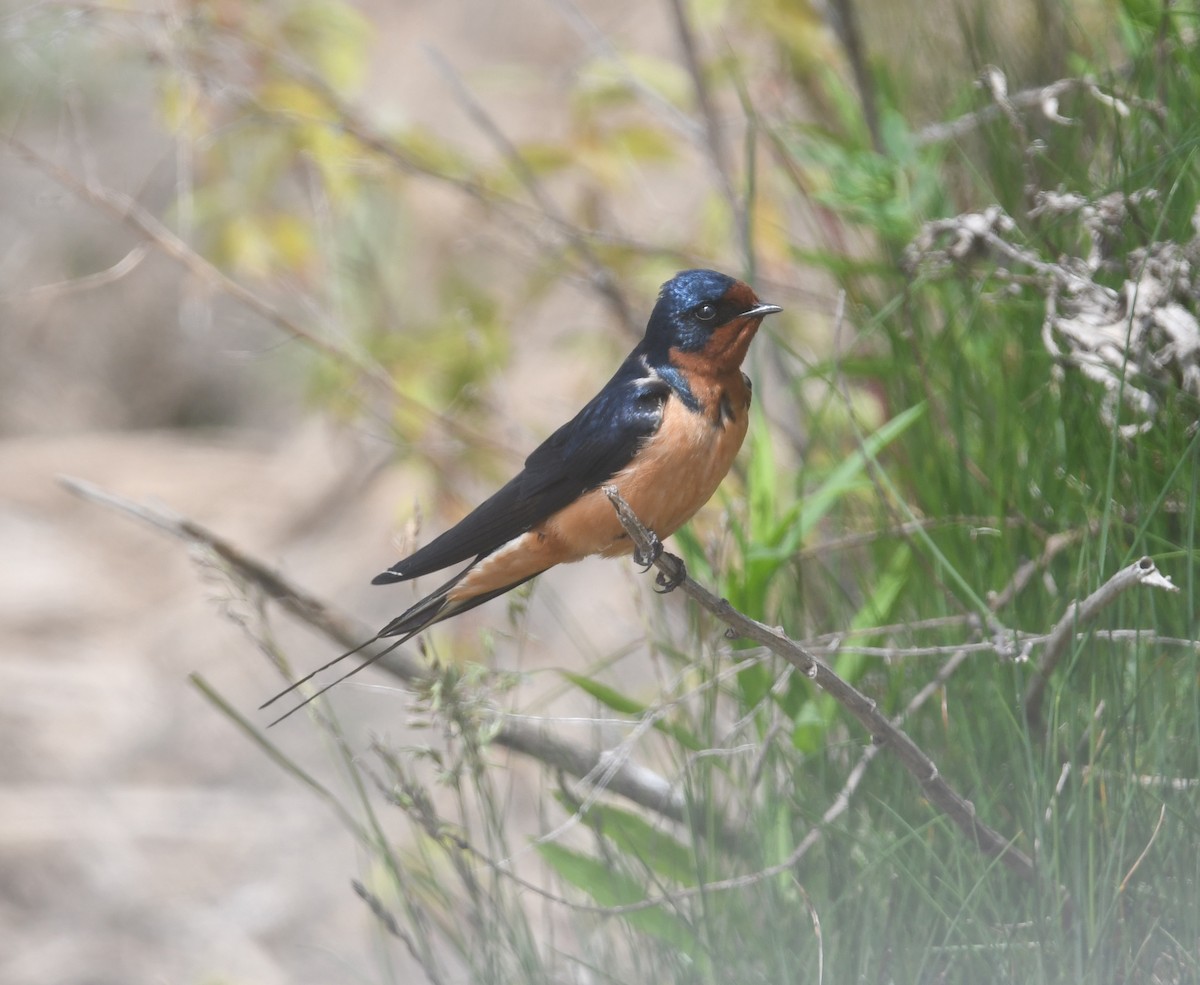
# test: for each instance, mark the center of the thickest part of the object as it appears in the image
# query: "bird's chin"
(745, 335)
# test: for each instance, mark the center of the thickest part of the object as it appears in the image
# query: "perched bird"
(664, 431)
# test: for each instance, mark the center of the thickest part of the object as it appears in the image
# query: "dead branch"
(957, 808)
(1045, 99)
(1141, 572)
(597, 768)
(598, 273)
(152, 232)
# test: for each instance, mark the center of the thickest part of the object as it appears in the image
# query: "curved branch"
(598, 768)
(956, 807)
(1142, 572)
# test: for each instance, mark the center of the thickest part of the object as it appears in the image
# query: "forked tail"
(434, 608)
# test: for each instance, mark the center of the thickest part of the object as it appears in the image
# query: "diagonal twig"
(597, 768)
(715, 145)
(956, 807)
(127, 211)
(1142, 572)
(599, 274)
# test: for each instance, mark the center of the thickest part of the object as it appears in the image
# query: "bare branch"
(125, 210)
(1141, 572)
(596, 767)
(1044, 98)
(958, 809)
(1162, 816)
(600, 275)
(718, 156)
(76, 285)
(601, 45)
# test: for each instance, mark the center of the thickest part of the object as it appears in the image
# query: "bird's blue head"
(693, 305)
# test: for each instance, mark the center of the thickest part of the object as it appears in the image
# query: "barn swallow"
(664, 431)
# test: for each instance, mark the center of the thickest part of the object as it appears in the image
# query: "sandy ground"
(142, 838)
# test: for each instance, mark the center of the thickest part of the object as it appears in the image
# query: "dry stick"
(86, 282)
(545, 211)
(1141, 572)
(600, 45)
(1045, 97)
(716, 151)
(960, 810)
(125, 210)
(996, 601)
(996, 85)
(635, 783)
(600, 275)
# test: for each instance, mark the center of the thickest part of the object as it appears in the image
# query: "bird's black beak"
(761, 310)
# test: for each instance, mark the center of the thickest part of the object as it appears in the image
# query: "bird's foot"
(652, 553)
(668, 581)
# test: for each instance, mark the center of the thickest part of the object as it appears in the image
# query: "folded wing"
(584, 453)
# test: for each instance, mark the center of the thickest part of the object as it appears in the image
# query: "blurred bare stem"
(125, 210)
(1142, 572)
(597, 768)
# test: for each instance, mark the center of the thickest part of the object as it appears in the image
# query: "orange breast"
(673, 474)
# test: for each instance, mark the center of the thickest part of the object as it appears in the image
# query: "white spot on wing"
(651, 373)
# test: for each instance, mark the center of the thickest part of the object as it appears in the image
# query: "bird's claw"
(647, 557)
(668, 581)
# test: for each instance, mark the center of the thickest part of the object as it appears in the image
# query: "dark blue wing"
(584, 453)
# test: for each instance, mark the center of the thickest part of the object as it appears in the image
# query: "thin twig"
(957, 808)
(600, 44)
(1044, 97)
(125, 210)
(87, 282)
(718, 156)
(600, 275)
(1141, 572)
(1162, 816)
(597, 767)
(534, 220)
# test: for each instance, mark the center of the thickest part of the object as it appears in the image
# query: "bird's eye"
(706, 312)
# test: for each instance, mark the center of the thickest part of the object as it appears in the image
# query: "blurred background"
(318, 275)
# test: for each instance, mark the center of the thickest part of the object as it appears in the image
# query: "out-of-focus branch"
(715, 145)
(595, 767)
(534, 219)
(1043, 98)
(129, 213)
(600, 275)
(87, 282)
